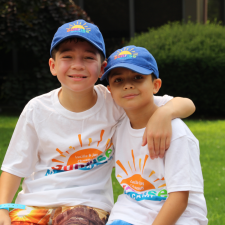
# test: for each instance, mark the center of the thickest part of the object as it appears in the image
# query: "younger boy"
(162, 191)
(62, 141)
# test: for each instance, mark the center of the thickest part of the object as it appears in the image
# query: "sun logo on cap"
(126, 53)
(79, 27)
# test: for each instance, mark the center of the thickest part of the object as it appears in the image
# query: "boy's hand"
(158, 132)
(4, 217)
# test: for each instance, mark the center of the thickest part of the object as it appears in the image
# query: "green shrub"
(28, 26)
(191, 61)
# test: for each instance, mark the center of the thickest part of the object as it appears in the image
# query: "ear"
(104, 64)
(156, 85)
(109, 88)
(51, 63)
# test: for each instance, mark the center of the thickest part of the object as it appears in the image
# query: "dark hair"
(153, 77)
(56, 48)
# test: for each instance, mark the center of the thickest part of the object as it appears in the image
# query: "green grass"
(212, 144)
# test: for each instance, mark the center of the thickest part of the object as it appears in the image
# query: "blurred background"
(185, 36)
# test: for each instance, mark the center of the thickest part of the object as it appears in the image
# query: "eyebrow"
(113, 74)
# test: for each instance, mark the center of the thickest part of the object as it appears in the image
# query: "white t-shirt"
(65, 157)
(148, 182)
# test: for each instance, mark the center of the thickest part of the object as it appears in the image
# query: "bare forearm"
(172, 208)
(180, 107)
(9, 184)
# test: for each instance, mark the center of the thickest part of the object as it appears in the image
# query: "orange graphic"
(162, 185)
(102, 132)
(140, 164)
(83, 156)
(60, 152)
(146, 157)
(55, 160)
(121, 166)
(130, 167)
(31, 215)
(132, 152)
(153, 172)
(79, 136)
(138, 183)
(90, 140)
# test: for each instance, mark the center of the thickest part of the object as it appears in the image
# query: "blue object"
(138, 59)
(79, 29)
(119, 222)
(11, 205)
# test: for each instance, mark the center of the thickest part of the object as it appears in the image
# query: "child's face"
(131, 90)
(77, 65)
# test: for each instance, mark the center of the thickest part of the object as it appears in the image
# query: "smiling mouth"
(130, 96)
(77, 76)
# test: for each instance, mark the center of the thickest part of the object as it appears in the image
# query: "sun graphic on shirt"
(136, 181)
(78, 26)
(82, 156)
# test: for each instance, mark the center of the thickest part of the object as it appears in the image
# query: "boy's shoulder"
(44, 101)
(180, 129)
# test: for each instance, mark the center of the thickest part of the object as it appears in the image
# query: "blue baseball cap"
(80, 29)
(137, 59)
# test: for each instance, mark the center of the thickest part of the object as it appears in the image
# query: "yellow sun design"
(80, 156)
(78, 26)
(136, 181)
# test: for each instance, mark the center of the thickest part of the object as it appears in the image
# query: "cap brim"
(135, 68)
(76, 35)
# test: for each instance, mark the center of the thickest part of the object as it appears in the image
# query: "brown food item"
(80, 215)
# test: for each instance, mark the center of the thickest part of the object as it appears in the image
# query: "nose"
(77, 64)
(128, 85)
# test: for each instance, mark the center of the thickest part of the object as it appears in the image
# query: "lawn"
(212, 144)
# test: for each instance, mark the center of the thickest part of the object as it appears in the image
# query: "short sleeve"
(182, 166)
(21, 155)
(162, 100)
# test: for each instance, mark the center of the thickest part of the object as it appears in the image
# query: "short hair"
(75, 39)
(153, 76)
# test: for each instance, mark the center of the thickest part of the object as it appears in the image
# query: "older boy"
(160, 191)
(62, 141)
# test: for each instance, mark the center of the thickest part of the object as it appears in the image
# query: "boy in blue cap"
(165, 190)
(62, 141)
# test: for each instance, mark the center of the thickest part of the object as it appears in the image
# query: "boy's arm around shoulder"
(158, 130)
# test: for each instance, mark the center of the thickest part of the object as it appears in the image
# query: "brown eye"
(138, 77)
(117, 80)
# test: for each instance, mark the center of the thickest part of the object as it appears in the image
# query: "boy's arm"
(158, 130)
(172, 209)
(9, 184)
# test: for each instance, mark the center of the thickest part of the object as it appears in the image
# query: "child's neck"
(140, 117)
(77, 101)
